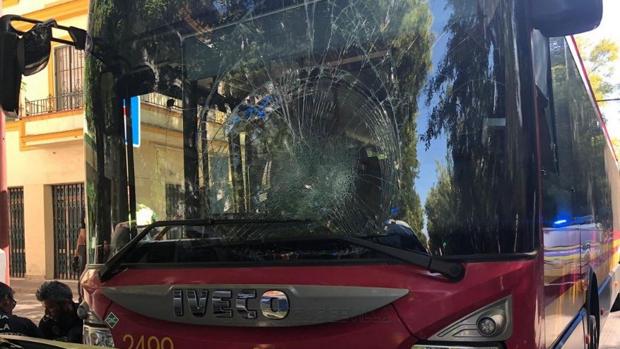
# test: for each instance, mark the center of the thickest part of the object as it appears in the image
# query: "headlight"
(95, 332)
(492, 323)
(438, 346)
(98, 336)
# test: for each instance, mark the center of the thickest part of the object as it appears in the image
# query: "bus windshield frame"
(367, 118)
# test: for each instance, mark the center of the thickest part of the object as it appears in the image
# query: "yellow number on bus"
(151, 342)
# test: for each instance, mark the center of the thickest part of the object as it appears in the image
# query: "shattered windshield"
(371, 118)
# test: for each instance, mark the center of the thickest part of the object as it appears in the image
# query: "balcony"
(176, 105)
(53, 104)
(162, 101)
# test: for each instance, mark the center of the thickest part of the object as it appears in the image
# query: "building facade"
(46, 159)
(45, 151)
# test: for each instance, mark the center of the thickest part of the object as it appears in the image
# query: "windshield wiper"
(111, 267)
(452, 270)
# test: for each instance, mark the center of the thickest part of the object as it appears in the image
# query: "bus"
(346, 173)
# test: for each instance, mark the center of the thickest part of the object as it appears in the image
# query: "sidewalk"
(25, 295)
(610, 338)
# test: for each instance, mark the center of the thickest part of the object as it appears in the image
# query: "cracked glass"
(396, 120)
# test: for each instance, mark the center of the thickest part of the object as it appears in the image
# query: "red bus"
(337, 173)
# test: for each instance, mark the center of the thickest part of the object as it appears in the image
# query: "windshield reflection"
(351, 114)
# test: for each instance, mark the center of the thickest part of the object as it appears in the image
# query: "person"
(13, 324)
(79, 255)
(60, 321)
(120, 237)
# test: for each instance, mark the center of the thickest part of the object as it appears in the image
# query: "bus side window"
(557, 190)
(555, 153)
(580, 190)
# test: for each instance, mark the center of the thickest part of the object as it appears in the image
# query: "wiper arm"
(111, 267)
(454, 271)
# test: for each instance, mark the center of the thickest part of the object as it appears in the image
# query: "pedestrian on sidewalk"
(13, 324)
(60, 321)
(79, 255)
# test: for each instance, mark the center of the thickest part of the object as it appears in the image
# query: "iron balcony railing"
(162, 101)
(53, 104)
(173, 104)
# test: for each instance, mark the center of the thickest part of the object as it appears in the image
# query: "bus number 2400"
(150, 342)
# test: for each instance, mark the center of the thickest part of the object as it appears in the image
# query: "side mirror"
(34, 48)
(566, 17)
(10, 76)
(25, 55)
(79, 37)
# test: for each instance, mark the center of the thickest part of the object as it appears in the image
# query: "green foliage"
(441, 208)
(482, 197)
(412, 60)
(409, 198)
(579, 188)
(154, 9)
(600, 59)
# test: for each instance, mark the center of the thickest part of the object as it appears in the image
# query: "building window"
(69, 68)
(175, 201)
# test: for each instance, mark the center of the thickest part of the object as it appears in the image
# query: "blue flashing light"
(394, 211)
(560, 221)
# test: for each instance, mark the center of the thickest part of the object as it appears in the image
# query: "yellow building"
(45, 152)
(47, 163)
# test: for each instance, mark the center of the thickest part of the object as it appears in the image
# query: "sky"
(609, 29)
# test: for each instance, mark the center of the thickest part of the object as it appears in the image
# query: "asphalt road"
(610, 338)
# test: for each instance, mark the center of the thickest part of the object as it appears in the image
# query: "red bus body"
(551, 291)
(400, 325)
(431, 305)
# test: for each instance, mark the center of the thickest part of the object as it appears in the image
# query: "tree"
(579, 188)
(475, 85)
(599, 59)
(442, 200)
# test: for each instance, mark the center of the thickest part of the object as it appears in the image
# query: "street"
(610, 338)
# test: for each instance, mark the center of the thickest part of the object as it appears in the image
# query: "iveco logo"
(272, 304)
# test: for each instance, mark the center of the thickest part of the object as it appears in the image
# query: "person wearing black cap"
(13, 324)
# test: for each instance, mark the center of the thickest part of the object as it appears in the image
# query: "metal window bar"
(175, 197)
(17, 248)
(69, 68)
(68, 201)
